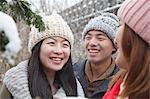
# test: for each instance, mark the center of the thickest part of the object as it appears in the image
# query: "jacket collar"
(80, 73)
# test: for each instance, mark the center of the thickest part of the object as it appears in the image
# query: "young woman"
(48, 73)
(133, 40)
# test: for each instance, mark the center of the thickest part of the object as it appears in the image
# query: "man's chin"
(93, 60)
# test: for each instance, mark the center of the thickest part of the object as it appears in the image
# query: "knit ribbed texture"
(55, 26)
(107, 23)
(136, 14)
(16, 80)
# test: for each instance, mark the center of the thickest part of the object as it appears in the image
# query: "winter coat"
(114, 92)
(79, 69)
(15, 84)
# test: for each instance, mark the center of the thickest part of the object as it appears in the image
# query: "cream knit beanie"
(55, 26)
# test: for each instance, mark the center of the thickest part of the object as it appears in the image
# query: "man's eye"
(87, 37)
(100, 38)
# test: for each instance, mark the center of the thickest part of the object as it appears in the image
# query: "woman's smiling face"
(54, 53)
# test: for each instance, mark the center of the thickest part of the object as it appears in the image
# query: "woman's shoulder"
(16, 73)
(22, 66)
(16, 80)
(80, 89)
(61, 92)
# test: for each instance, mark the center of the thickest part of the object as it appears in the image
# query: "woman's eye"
(65, 45)
(51, 43)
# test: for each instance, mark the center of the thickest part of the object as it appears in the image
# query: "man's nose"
(93, 41)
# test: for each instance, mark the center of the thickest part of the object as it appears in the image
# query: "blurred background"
(26, 13)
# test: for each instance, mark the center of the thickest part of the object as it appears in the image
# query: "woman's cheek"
(120, 60)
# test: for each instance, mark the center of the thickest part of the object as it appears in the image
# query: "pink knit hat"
(136, 14)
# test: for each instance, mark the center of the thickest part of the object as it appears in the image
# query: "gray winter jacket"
(79, 69)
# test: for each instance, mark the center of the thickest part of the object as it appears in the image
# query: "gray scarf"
(16, 81)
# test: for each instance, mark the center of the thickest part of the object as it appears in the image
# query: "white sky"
(62, 3)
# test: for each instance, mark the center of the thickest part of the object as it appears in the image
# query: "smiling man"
(96, 71)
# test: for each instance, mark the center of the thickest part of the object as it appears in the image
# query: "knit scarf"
(94, 83)
(16, 81)
(105, 75)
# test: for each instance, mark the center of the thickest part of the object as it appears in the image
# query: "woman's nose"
(58, 50)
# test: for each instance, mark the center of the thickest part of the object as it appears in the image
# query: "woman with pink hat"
(133, 41)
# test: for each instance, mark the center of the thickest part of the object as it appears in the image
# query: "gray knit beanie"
(107, 23)
(55, 26)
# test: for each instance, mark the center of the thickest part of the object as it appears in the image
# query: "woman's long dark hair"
(137, 54)
(38, 83)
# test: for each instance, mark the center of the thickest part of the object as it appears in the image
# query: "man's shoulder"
(80, 64)
(78, 67)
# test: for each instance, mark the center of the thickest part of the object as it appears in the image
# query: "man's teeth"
(93, 51)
